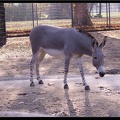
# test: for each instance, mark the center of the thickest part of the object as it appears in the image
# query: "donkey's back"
(49, 37)
(44, 30)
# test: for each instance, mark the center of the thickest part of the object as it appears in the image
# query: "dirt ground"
(15, 57)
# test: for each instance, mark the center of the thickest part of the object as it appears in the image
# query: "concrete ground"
(108, 85)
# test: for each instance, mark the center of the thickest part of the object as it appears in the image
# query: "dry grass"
(19, 47)
(27, 25)
(23, 28)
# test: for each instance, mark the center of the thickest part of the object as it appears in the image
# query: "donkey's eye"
(95, 58)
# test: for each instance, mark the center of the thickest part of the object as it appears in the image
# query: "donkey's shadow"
(70, 104)
(88, 109)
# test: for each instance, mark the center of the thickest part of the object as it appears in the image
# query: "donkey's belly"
(54, 52)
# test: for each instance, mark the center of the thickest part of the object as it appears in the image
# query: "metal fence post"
(72, 14)
(36, 13)
(33, 14)
(106, 15)
(109, 16)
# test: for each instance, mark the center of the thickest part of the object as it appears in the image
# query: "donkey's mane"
(87, 34)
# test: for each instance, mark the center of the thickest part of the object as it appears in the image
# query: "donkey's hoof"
(40, 82)
(66, 86)
(32, 84)
(87, 87)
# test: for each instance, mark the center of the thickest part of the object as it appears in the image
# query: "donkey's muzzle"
(101, 74)
(101, 71)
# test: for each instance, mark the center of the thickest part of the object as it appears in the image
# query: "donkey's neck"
(86, 48)
(88, 51)
(86, 43)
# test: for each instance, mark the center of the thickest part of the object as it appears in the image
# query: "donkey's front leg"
(79, 62)
(66, 69)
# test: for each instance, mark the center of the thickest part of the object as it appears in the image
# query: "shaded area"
(70, 104)
(88, 108)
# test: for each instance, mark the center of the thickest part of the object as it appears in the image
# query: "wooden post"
(2, 25)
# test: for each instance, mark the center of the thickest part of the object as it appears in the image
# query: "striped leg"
(66, 69)
(82, 73)
(31, 70)
(38, 60)
(37, 73)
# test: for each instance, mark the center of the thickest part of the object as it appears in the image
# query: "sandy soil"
(14, 64)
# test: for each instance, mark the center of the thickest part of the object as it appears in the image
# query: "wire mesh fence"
(105, 15)
(22, 17)
(57, 14)
(98, 13)
(18, 18)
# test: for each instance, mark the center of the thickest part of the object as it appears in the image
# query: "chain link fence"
(22, 17)
(105, 15)
(56, 14)
(19, 19)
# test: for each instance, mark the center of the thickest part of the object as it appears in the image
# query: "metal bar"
(36, 14)
(107, 14)
(100, 9)
(72, 15)
(33, 14)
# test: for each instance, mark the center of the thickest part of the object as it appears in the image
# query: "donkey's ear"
(94, 44)
(103, 42)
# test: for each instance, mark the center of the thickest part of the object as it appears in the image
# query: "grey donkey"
(67, 42)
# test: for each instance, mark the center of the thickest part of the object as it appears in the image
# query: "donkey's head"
(98, 56)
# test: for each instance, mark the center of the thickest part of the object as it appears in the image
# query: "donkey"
(67, 42)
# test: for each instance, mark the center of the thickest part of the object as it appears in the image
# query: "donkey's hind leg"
(66, 69)
(39, 59)
(31, 70)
